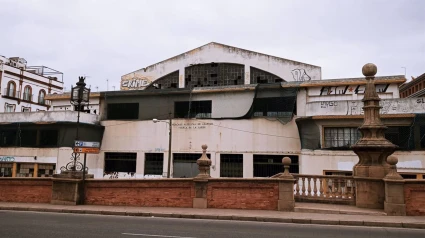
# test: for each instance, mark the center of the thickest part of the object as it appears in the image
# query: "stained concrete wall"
(218, 53)
(389, 106)
(50, 116)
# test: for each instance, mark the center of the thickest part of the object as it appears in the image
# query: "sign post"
(86, 147)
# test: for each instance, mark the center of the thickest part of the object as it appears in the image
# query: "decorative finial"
(204, 164)
(369, 70)
(286, 161)
(392, 160)
(393, 174)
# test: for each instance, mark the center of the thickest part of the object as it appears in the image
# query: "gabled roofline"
(211, 43)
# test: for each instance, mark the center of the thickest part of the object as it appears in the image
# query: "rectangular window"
(193, 109)
(48, 138)
(27, 138)
(46, 170)
(269, 165)
(231, 165)
(123, 111)
(25, 170)
(120, 162)
(6, 169)
(341, 137)
(154, 163)
(273, 107)
(399, 135)
(184, 165)
(8, 138)
(10, 108)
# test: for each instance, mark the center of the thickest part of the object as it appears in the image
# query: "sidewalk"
(376, 220)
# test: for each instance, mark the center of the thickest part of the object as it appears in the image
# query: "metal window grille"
(231, 165)
(269, 165)
(273, 107)
(184, 165)
(123, 111)
(193, 109)
(214, 74)
(341, 136)
(154, 163)
(120, 162)
(263, 77)
(6, 169)
(168, 81)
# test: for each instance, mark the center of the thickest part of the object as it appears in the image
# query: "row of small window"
(413, 89)
(344, 137)
(263, 107)
(10, 91)
(184, 165)
(27, 170)
(28, 138)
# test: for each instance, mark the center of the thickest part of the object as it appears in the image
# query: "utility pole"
(107, 84)
(169, 146)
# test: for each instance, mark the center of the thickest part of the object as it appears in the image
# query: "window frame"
(11, 82)
(324, 143)
(43, 101)
(27, 96)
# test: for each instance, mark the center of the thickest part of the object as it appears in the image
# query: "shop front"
(30, 166)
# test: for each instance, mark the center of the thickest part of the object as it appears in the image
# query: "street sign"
(86, 150)
(89, 144)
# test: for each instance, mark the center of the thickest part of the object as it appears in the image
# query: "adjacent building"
(414, 88)
(251, 109)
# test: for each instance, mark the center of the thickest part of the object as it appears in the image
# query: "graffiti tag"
(7, 159)
(300, 75)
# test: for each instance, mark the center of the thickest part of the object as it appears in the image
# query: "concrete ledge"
(411, 225)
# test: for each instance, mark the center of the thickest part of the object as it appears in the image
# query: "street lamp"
(169, 142)
(79, 97)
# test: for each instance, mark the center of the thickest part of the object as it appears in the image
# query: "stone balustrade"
(324, 188)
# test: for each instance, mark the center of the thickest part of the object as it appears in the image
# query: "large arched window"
(11, 89)
(27, 93)
(41, 96)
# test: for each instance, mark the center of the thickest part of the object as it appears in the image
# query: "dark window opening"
(409, 176)
(422, 136)
(8, 138)
(6, 169)
(46, 170)
(269, 165)
(213, 75)
(193, 109)
(174, 85)
(217, 74)
(341, 137)
(168, 81)
(273, 107)
(231, 165)
(123, 111)
(154, 163)
(27, 138)
(399, 135)
(120, 162)
(184, 165)
(263, 77)
(48, 138)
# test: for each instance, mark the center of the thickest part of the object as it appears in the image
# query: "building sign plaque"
(89, 144)
(87, 150)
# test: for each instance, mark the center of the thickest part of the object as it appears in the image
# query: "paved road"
(15, 224)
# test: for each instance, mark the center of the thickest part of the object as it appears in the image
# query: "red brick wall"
(414, 197)
(30, 190)
(243, 194)
(145, 193)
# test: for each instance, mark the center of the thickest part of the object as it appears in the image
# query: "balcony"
(10, 93)
(48, 117)
(43, 101)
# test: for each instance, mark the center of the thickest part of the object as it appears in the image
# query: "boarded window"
(123, 111)
(231, 165)
(193, 109)
(184, 165)
(154, 163)
(273, 107)
(269, 165)
(120, 162)
(342, 137)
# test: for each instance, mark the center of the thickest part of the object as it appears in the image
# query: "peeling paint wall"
(218, 53)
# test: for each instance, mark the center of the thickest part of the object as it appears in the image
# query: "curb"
(227, 217)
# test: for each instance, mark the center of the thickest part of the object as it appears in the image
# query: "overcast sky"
(107, 39)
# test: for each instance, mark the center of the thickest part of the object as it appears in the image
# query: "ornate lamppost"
(79, 97)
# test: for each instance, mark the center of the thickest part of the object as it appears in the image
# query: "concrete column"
(200, 199)
(165, 166)
(286, 200)
(394, 204)
(181, 78)
(248, 165)
(35, 170)
(301, 102)
(14, 168)
(247, 74)
(140, 163)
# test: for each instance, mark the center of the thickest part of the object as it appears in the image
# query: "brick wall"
(145, 193)
(259, 194)
(414, 197)
(30, 190)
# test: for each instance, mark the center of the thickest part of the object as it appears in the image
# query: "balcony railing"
(324, 188)
(43, 101)
(7, 92)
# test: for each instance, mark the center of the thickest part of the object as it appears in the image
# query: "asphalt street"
(14, 224)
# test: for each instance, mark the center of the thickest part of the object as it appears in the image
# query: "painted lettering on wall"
(300, 75)
(7, 159)
(349, 89)
(328, 104)
(194, 125)
(135, 83)
(420, 100)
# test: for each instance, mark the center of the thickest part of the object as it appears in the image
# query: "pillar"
(247, 74)
(201, 180)
(182, 82)
(286, 200)
(35, 170)
(14, 168)
(394, 204)
(248, 165)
